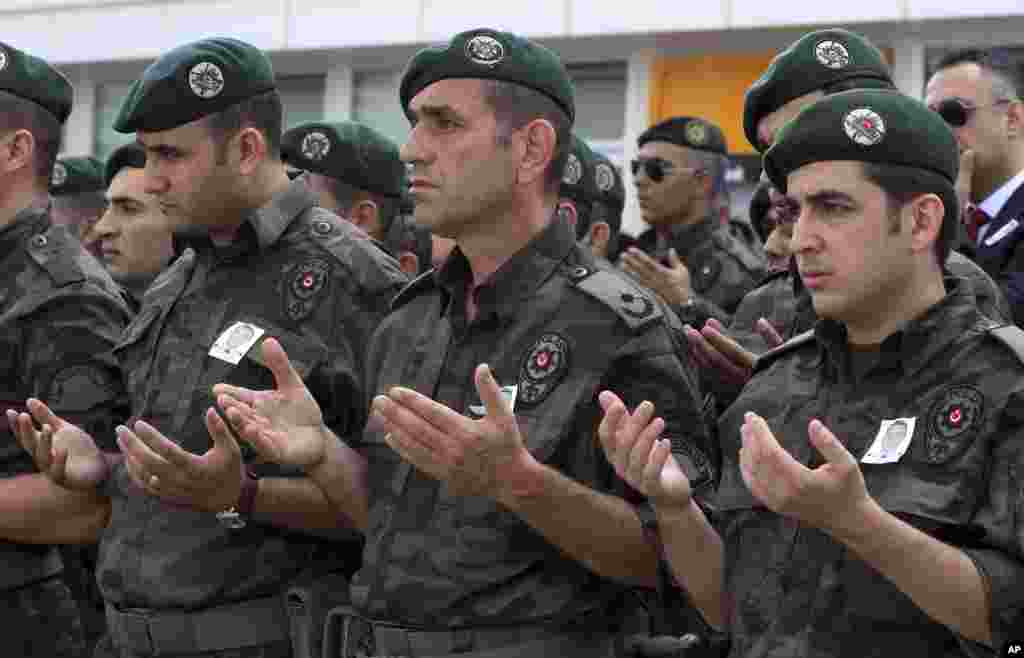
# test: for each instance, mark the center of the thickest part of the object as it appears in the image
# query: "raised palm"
(61, 450)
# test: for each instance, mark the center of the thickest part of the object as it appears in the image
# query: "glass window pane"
(375, 103)
(108, 102)
(302, 98)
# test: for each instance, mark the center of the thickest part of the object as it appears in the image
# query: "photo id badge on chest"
(508, 392)
(236, 340)
(892, 441)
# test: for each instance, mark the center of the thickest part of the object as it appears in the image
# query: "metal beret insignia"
(958, 411)
(206, 80)
(573, 170)
(3, 59)
(485, 50)
(604, 177)
(315, 146)
(59, 175)
(696, 133)
(832, 54)
(864, 126)
(303, 284)
(543, 368)
(636, 306)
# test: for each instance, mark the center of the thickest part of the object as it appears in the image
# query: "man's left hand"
(672, 283)
(485, 457)
(831, 497)
(211, 482)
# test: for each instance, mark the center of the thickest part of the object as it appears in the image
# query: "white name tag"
(892, 441)
(235, 342)
(1007, 229)
(507, 392)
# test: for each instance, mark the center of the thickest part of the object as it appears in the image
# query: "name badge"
(507, 392)
(1007, 229)
(236, 340)
(891, 442)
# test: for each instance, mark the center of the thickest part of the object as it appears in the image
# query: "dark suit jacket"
(1001, 252)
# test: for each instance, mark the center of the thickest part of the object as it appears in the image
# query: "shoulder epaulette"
(55, 251)
(794, 343)
(1012, 336)
(636, 307)
(422, 283)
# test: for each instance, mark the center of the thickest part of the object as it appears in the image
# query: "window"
(108, 102)
(601, 106)
(375, 103)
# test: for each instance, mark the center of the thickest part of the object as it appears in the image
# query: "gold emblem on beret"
(206, 80)
(485, 50)
(573, 170)
(864, 126)
(696, 133)
(316, 146)
(59, 175)
(3, 59)
(604, 176)
(832, 54)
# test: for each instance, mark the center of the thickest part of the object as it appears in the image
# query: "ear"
(566, 209)
(366, 215)
(409, 263)
(20, 151)
(926, 214)
(539, 141)
(251, 149)
(1015, 120)
(600, 234)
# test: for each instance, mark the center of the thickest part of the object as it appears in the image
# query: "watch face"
(231, 519)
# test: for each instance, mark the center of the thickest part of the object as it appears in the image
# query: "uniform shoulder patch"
(636, 307)
(420, 284)
(55, 251)
(1012, 336)
(791, 345)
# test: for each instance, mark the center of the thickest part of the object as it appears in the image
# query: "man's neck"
(17, 198)
(894, 312)
(492, 245)
(258, 192)
(988, 182)
(689, 217)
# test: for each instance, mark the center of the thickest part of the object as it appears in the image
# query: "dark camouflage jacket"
(60, 316)
(560, 328)
(303, 276)
(791, 589)
(722, 268)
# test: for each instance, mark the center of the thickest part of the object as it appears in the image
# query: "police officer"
(822, 545)
(354, 169)
(199, 535)
(133, 237)
(76, 188)
(60, 315)
(577, 190)
(602, 202)
(688, 256)
(492, 527)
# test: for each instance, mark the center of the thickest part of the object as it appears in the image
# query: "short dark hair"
(17, 113)
(1007, 78)
(902, 184)
(262, 112)
(515, 106)
(348, 196)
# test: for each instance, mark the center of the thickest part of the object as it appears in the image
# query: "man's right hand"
(61, 450)
(633, 447)
(285, 424)
(716, 352)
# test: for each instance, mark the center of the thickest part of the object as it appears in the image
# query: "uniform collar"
(995, 202)
(262, 227)
(920, 340)
(518, 278)
(29, 221)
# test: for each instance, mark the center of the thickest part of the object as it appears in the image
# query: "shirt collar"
(921, 339)
(519, 277)
(28, 221)
(993, 205)
(262, 226)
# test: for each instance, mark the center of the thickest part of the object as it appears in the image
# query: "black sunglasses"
(957, 113)
(655, 168)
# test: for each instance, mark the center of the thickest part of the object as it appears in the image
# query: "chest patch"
(543, 367)
(304, 285)
(958, 411)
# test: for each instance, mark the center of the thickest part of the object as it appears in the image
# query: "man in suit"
(977, 92)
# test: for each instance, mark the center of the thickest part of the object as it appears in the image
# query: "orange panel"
(707, 86)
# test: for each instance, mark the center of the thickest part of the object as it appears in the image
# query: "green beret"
(578, 181)
(817, 60)
(611, 191)
(348, 151)
(129, 155)
(33, 79)
(193, 81)
(76, 175)
(491, 55)
(690, 132)
(865, 125)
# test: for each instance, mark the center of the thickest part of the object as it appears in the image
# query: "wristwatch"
(236, 518)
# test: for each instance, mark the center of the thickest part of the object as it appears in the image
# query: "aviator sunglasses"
(957, 113)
